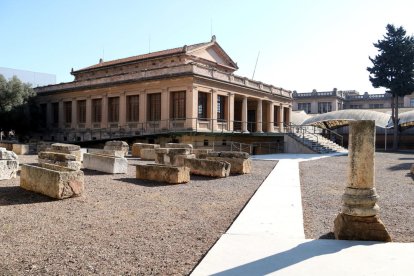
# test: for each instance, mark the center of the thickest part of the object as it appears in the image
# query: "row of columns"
(191, 112)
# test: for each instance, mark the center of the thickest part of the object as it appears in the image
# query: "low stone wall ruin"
(105, 163)
(163, 173)
(209, 168)
(240, 161)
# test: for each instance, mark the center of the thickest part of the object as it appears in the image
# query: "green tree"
(393, 68)
(13, 93)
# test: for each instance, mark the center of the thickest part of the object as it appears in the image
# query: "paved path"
(268, 237)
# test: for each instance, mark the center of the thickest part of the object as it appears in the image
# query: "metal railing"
(303, 130)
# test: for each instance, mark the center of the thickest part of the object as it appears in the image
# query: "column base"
(371, 228)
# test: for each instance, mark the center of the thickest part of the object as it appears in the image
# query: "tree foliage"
(13, 93)
(393, 68)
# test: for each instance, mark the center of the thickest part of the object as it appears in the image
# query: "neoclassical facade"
(189, 89)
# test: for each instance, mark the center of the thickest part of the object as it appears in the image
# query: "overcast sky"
(304, 45)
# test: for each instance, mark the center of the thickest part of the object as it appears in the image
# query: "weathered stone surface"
(148, 154)
(163, 173)
(60, 159)
(202, 153)
(52, 180)
(412, 169)
(360, 228)
(43, 146)
(168, 156)
(240, 161)
(21, 149)
(116, 153)
(105, 163)
(7, 155)
(360, 202)
(206, 167)
(117, 145)
(178, 160)
(179, 146)
(137, 147)
(8, 169)
(68, 149)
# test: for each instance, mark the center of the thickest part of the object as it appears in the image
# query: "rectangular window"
(154, 107)
(132, 108)
(324, 107)
(96, 110)
(113, 109)
(376, 106)
(305, 107)
(55, 114)
(221, 103)
(178, 105)
(67, 112)
(82, 111)
(202, 105)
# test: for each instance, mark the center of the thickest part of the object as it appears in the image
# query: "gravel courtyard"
(323, 182)
(120, 225)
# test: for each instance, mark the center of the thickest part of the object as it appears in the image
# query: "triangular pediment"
(212, 52)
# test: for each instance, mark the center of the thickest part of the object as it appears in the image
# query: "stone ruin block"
(67, 149)
(163, 173)
(52, 180)
(43, 146)
(240, 161)
(116, 153)
(105, 163)
(202, 153)
(148, 154)
(21, 149)
(206, 167)
(412, 169)
(9, 164)
(59, 159)
(179, 146)
(178, 160)
(138, 147)
(117, 146)
(169, 156)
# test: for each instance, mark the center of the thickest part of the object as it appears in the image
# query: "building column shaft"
(88, 113)
(271, 115)
(259, 116)
(230, 118)
(122, 110)
(281, 118)
(74, 123)
(244, 114)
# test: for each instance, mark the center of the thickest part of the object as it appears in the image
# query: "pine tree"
(393, 68)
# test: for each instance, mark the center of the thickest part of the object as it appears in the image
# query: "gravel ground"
(323, 182)
(120, 225)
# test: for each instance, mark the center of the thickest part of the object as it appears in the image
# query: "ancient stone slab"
(163, 173)
(60, 159)
(371, 228)
(168, 156)
(68, 149)
(116, 153)
(52, 180)
(179, 146)
(117, 145)
(21, 149)
(206, 167)
(240, 161)
(7, 154)
(8, 169)
(148, 154)
(137, 147)
(202, 153)
(105, 163)
(178, 160)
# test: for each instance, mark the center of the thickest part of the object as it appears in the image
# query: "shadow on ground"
(14, 195)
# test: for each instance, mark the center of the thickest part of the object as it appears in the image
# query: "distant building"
(34, 78)
(321, 102)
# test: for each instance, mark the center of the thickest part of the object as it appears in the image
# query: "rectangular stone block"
(105, 163)
(148, 154)
(7, 154)
(163, 173)
(60, 159)
(21, 149)
(8, 169)
(167, 156)
(202, 153)
(117, 145)
(68, 149)
(179, 146)
(240, 161)
(116, 153)
(206, 167)
(137, 147)
(52, 180)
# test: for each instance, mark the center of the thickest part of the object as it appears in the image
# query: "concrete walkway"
(268, 237)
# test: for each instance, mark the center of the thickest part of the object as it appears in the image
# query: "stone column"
(142, 109)
(74, 123)
(359, 217)
(281, 118)
(214, 110)
(259, 116)
(104, 123)
(122, 110)
(244, 114)
(270, 118)
(88, 113)
(230, 118)
(191, 105)
(61, 115)
(165, 108)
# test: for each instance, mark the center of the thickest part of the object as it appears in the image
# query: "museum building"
(190, 89)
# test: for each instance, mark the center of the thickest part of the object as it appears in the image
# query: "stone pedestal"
(359, 217)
